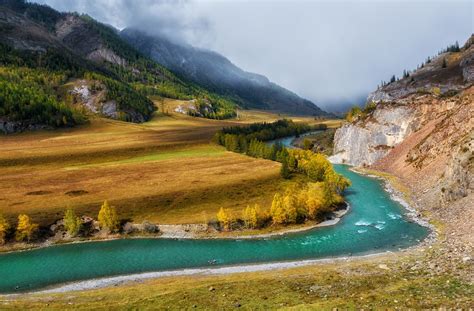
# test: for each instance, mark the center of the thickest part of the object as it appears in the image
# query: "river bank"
(137, 278)
(186, 231)
(374, 225)
(404, 196)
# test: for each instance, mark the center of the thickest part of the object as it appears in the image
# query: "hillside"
(421, 130)
(100, 73)
(215, 72)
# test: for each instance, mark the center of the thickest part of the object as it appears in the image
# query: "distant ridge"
(213, 71)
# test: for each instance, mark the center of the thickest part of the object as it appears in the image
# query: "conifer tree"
(292, 162)
(4, 227)
(108, 218)
(289, 208)
(72, 223)
(224, 219)
(250, 216)
(277, 212)
(284, 170)
(25, 229)
(314, 201)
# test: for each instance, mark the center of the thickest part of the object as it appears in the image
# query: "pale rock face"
(102, 54)
(467, 66)
(378, 96)
(459, 173)
(109, 109)
(364, 143)
(88, 100)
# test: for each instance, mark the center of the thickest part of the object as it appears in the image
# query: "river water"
(375, 223)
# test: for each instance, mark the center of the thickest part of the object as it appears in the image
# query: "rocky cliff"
(421, 129)
(422, 132)
(405, 107)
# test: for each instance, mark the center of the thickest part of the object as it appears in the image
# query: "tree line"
(309, 201)
(297, 204)
(267, 131)
(27, 230)
(452, 48)
(30, 95)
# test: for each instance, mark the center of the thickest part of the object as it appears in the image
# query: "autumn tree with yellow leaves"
(224, 218)
(108, 218)
(25, 229)
(72, 223)
(277, 211)
(250, 216)
(4, 227)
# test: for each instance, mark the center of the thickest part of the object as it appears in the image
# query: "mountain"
(58, 68)
(216, 73)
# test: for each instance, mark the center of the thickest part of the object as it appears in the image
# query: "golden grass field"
(165, 171)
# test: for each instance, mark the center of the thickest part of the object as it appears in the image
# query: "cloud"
(327, 51)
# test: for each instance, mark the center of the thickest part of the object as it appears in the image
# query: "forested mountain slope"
(215, 72)
(94, 70)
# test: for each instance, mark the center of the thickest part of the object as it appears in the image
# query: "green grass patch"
(203, 151)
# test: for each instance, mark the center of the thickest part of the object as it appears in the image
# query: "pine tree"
(277, 212)
(4, 227)
(25, 229)
(290, 209)
(314, 201)
(292, 162)
(224, 219)
(72, 223)
(108, 218)
(250, 216)
(284, 170)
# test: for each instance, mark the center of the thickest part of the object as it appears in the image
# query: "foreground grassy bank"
(384, 281)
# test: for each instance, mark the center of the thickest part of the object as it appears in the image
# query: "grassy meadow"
(165, 170)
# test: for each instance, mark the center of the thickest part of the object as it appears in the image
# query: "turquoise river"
(375, 223)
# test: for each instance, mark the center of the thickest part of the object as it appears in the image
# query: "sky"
(332, 52)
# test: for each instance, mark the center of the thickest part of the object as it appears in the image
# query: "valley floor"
(428, 276)
(144, 170)
(165, 171)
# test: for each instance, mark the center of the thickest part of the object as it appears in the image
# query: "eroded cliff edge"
(421, 130)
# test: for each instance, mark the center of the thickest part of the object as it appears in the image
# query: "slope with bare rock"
(422, 131)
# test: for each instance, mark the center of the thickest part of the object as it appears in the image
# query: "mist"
(331, 52)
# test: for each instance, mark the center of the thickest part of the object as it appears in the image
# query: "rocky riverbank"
(178, 231)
